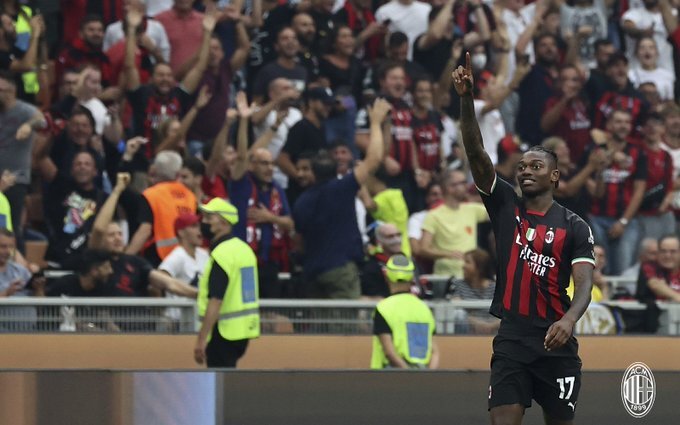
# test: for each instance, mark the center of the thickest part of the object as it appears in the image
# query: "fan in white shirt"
(648, 71)
(187, 261)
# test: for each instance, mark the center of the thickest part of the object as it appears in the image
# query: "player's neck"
(539, 203)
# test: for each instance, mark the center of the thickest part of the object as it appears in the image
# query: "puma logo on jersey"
(572, 405)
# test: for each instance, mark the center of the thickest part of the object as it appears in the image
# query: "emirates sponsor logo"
(538, 264)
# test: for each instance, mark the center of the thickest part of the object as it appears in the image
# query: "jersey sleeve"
(501, 194)
(583, 244)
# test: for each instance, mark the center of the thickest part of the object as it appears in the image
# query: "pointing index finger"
(468, 64)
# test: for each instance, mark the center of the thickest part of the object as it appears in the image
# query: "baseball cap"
(319, 93)
(399, 268)
(185, 220)
(223, 208)
(508, 145)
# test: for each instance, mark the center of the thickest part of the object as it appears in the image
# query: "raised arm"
(30, 59)
(193, 77)
(670, 21)
(240, 55)
(480, 163)
(105, 214)
(220, 143)
(437, 29)
(170, 142)
(376, 148)
(244, 111)
(131, 74)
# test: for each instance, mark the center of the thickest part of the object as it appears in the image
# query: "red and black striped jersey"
(427, 133)
(618, 179)
(536, 253)
(659, 179)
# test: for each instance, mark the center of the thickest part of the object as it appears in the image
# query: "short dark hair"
(482, 261)
(601, 43)
(396, 39)
(306, 155)
(387, 67)
(91, 18)
(6, 232)
(547, 152)
(195, 165)
(81, 110)
(90, 259)
(324, 167)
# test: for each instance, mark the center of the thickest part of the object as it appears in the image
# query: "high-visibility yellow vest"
(23, 26)
(5, 213)
(239, 314)
(412, 325)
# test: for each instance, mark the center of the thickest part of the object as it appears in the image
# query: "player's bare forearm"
(480, 163)
(583, 285)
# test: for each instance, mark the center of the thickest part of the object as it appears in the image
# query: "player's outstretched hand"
(463, 81)
(558, 333)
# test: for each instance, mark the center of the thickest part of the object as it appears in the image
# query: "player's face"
(535, 174)
(669, 253)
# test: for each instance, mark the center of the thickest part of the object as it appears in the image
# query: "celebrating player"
(540, 244)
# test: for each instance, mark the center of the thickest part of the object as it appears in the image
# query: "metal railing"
(300, 316)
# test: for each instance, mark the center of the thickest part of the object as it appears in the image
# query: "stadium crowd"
(119, 117)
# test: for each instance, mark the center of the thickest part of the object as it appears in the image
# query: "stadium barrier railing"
(280, 316)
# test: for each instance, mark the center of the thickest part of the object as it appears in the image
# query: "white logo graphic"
(572, 405)
(591, 239)
(638, 390)
(549, 236)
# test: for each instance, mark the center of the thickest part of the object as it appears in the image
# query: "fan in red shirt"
(655, 215)
(660, 279)
(567, 115)
(86, 49)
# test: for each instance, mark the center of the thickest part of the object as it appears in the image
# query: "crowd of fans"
(117, 118)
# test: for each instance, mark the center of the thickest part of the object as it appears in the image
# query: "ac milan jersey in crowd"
(536, 253)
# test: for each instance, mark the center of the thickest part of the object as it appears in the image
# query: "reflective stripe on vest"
(226, 316)
(167, 242)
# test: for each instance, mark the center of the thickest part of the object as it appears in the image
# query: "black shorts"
(521, 370)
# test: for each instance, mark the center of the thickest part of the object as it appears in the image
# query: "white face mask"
(478, 61)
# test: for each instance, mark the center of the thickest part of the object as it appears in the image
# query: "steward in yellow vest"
(403, 325)
(228, 298)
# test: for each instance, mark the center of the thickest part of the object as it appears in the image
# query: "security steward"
(403, 325)
(227, 291)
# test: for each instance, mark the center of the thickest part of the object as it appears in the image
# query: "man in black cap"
(308, 134)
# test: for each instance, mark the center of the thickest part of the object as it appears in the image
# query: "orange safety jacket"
(167, 201)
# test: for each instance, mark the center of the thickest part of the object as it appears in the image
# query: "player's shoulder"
(573, 220)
